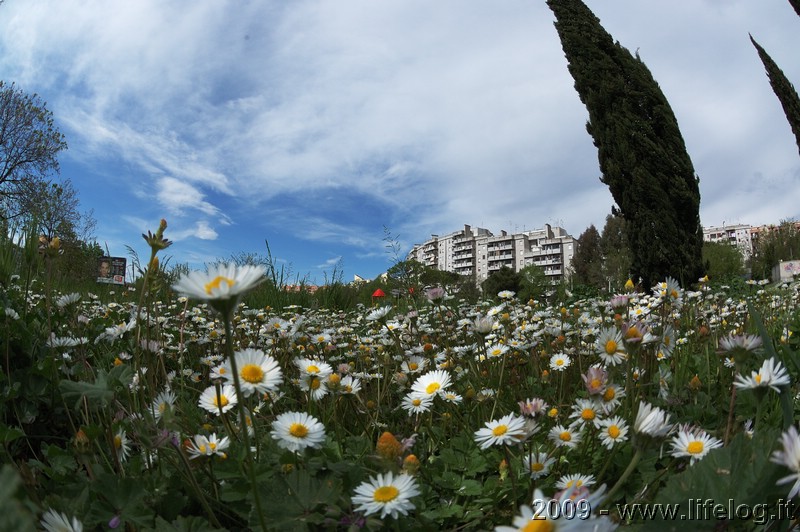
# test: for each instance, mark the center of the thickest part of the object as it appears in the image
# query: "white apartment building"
(479, 253)
(739, 235)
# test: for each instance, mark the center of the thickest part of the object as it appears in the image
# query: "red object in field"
(378, 293)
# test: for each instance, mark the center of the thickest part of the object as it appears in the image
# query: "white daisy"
(432, 382)
(538, 464)
(313, 368)
(387, 494)
(349, 385)
(509, 429)
(297, 430)
(693, 443)
(379, 313)
(651, 421)
(586, 411)
(560, 362)
(122, 446)
(258, 372)
(612, 431)
(575, 480)
(609, 346)
(222, 285)
(565, 436)
(164, 402)
(772, 374)
(53, 521)
(216, 404)
(416, 403)
(208, 446)
(790, 458)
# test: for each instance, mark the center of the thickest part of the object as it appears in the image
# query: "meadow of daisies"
(196, 411)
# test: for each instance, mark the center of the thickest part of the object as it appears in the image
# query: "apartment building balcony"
(504, 256)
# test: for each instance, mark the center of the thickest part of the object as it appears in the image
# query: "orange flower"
(388, 447)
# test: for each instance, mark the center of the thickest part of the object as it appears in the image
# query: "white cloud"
(201, 230)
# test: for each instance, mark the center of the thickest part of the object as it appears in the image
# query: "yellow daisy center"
(538, 525)
(565, 436)
(500, 430)
(213, 446)
(252, 373)
(202, 448)
(538, 466)
(587, 414)
(758, 378)
(695, 447)
(312, 369)
(595, 383)
(117, 441)
(560, 362)
(412, 366)
(609, 394)
(218, 280)
(613, 431)
(385, 494)
(220, 401)
(298, 430)
(314, 383)
(432, 387)
(416, 401)
(611, 347)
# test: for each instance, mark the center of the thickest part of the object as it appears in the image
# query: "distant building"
(479, 253)
(739, 235)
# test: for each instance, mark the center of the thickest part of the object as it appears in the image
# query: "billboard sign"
(111, 270)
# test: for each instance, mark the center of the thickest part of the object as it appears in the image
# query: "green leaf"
(9, 434)
(97, 393)
(13, 514)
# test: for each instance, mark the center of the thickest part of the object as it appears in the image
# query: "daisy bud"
(411, 464)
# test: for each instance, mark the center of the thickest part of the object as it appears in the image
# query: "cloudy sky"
(318, 125)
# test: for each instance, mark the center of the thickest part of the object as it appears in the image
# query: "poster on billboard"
(111, 270)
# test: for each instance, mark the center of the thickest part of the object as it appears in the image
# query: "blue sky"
(316, 125)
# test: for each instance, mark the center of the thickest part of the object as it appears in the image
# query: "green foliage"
(723, 262)
(503, 279)
(616, 253)
(14, 513)
(641, 151)
(741, 472)
(534, 284)
(587, 261)
(29, 145)
(782, 87)
(777, 243)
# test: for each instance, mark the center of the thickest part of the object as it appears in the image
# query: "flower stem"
(249, 465)
(631, 466)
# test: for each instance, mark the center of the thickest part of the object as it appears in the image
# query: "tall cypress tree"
(782, 88)
(642, 155)
(796, 6)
